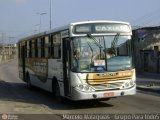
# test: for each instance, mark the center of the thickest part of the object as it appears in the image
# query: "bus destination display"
(101, 28)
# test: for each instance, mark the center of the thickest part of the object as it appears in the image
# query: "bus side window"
(42, 47)
(36, 48)
(39, 47)
(27, 49)
(51, 47)
(46, 46)
(33, 48)
(30, 49)
(57, 46)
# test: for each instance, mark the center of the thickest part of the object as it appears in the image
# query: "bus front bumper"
(79, 95)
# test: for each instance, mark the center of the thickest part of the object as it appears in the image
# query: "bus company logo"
(4, 116)
(108, 74)
(112, 74)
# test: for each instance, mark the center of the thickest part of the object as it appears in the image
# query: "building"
(7, 52)
(146, 45)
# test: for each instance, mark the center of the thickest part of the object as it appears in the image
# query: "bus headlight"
(128, 84)
(84, 88)
(131, 83)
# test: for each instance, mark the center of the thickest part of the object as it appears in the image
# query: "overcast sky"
(20, 17)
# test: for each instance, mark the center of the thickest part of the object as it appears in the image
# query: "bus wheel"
(57, 93)
(29, 85)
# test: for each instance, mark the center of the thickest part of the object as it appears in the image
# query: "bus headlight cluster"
(128, 84)
(84, 88)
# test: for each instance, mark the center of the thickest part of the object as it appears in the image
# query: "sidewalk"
(148, 82)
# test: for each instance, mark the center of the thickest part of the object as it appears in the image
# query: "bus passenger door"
(23, 61)
(66, 66)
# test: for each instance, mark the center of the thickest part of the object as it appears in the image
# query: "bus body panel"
(37, 69)
(55, 69)
(55, 72)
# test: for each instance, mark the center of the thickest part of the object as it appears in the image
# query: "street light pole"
(50, 14)
(40, 24)
(40, 20)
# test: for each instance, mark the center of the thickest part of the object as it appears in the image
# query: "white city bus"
(80, 61)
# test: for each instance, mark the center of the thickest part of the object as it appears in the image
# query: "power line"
(148, 18)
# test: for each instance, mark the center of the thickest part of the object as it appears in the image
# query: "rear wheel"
(56, 92)
(29, 85)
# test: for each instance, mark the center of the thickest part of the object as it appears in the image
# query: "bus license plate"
(108, 94)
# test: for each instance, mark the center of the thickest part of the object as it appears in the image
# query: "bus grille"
(106, 78)
(108, 86)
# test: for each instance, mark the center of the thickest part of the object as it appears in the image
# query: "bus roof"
(99, 21)
(68, 26)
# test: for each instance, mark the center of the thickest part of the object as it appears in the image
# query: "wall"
(146, 46)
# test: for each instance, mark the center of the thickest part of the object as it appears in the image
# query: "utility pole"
(10, 47)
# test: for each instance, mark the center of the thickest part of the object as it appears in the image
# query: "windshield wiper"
(105, 55)
(114, 42)
(95, 40)
(91, 49)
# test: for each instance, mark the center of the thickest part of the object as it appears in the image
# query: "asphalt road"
(15, 98)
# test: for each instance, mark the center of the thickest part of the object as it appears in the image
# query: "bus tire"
(56, 92)
(29, 85)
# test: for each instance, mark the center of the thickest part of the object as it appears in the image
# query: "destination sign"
(113, 27)
(101, 28)
(83, 28)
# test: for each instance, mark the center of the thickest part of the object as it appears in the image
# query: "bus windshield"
(101, 53)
